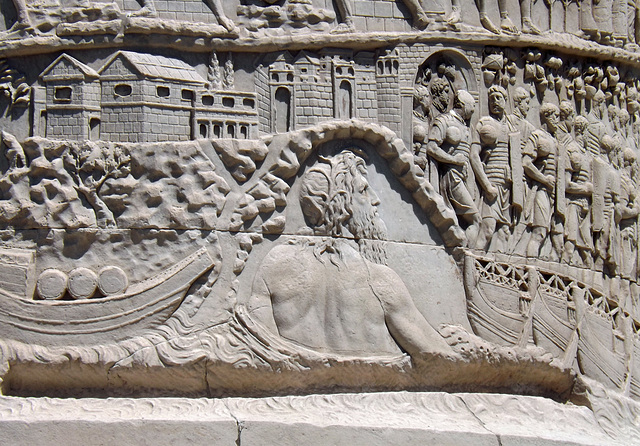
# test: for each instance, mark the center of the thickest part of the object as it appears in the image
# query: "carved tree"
(90, 166)
(228, 81)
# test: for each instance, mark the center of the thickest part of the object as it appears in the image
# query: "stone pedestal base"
(341, 419)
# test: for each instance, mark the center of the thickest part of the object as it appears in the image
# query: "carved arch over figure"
(466, 79)
(435, 87)
(295, 147)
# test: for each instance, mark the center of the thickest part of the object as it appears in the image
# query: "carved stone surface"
(378, 419)
(270, 199)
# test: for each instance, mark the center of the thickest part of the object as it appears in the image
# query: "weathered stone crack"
(239, 423)
(482, 423)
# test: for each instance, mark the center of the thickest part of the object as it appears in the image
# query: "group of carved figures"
(606, 21)
(148, 9)
(566, 190)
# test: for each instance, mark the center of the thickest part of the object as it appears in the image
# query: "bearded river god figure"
(320, 222)
(333, 292)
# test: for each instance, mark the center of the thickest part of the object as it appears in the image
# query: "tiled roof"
(84, 69)
(159, 67)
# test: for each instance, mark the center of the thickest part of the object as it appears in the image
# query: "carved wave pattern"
(481, 416)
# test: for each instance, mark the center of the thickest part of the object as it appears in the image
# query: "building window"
(231, 131)
(244, 132)
(63, 94)
(187, 95)
(275, 77)
(228, 102)
(204, 130)
(249, 103)
(94, 129)
(217, 130)
(282, 116)
(163, 92)
(122, 90)
(207, 100)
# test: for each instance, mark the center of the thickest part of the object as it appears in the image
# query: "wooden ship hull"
(143, 305)
(569, 319)
(554, 315)
(598, 357)
(497, 295)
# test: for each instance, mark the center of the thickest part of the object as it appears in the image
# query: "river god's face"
(364, 198)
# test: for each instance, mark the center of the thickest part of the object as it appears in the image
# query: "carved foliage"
(69, 185)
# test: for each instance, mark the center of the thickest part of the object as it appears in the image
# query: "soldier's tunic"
(451, 134)
(578, 219)
(603, 15)
(631, 21)
(522, 128)
(521, 125)
(595, 132)
(606, 186)
(495, 158)
(542, 148)
(628, 237)
(619, 19)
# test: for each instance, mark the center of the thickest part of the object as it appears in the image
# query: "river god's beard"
(369, 230)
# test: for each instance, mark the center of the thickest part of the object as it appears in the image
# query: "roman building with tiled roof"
(71, 108)
(147, 98)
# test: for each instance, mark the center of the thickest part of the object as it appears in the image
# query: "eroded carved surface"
(317, 419)
(293, 196)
